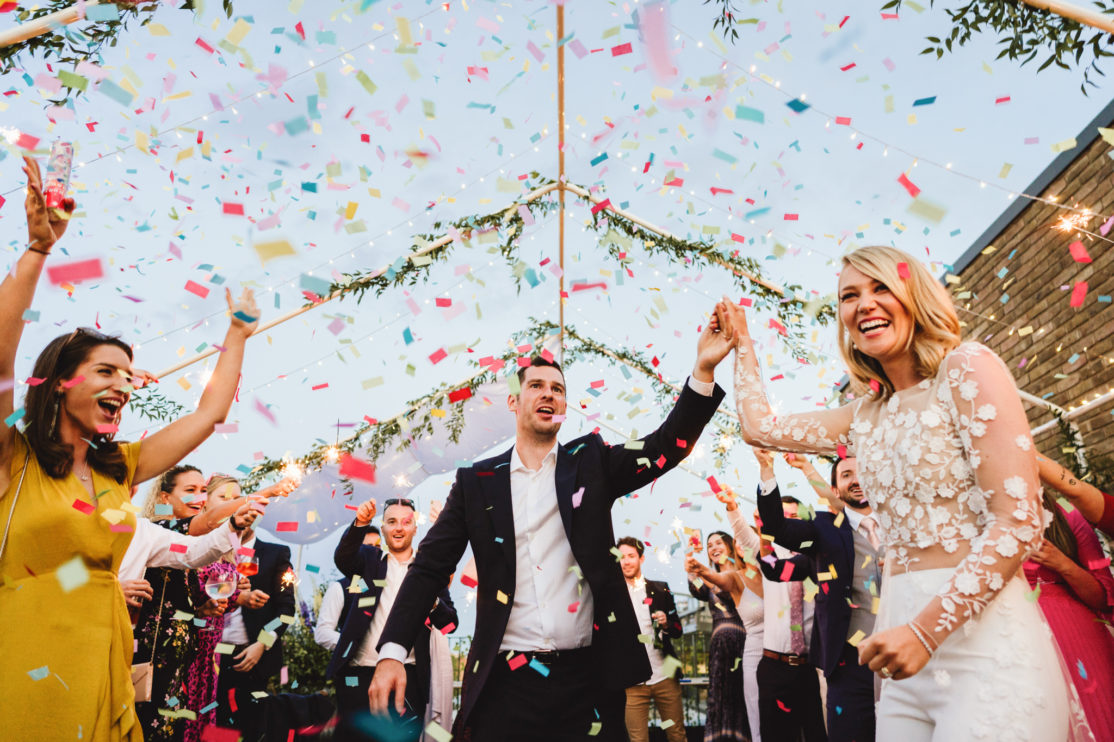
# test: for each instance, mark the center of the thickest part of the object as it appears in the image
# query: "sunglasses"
(404, 501)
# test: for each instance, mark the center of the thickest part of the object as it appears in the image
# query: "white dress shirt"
(366, 656)
(234, 630)
(775, 598)
(325, 632)
(151, 546)
(646, 627)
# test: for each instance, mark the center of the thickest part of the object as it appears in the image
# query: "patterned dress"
(726, 717)
(201, 677)
(175, 647)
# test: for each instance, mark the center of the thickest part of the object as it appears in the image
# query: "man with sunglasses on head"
(376, 576)
(556, 640)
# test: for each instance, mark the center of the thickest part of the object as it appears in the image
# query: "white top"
(234, 630)
(366, 656)
(547, 578)
(155, 546)
(326, 633)
(638, 599)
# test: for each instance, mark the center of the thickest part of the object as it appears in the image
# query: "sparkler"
(289, 579)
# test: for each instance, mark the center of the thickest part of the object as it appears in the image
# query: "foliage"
(67, 46)
(306, 660)
(1099, 472)
(1024, 33)
(725, 19)
(154, 405)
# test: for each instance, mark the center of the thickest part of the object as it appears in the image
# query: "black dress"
(174, 648)
(726, 717)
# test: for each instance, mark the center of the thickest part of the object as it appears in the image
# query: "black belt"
(550, 656)
(793, 660)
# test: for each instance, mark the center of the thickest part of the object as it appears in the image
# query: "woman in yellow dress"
(65, 507)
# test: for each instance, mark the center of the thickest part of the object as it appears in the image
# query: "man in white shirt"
(556, 639)
(336, 603)
(376, 577)
(658, 625)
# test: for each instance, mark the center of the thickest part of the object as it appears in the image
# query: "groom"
(556, 640)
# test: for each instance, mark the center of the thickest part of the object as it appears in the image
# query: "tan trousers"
(667, 698)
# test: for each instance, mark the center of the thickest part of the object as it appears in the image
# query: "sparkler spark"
(1072, 222)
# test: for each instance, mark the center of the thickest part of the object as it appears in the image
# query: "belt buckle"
(794, 660)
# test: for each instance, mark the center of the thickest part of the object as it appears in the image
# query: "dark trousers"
(236, 707)
(524, 705)
(851, 700)
(789, 702)
(353, 708)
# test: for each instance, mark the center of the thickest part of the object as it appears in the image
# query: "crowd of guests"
(941, 596)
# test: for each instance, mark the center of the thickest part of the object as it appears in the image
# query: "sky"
(344, 130)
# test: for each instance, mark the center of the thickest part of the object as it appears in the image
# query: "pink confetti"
(517, 661)
(907, 184)
(1078, 291)
(621, 49)
(903, 270)
(536, 52)
(350, 466)
(75, 272)
(195, 288)
(233, 209)
(1079, 252)
(577, 497)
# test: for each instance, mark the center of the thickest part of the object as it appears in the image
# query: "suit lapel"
(566, 478)
(496, 488)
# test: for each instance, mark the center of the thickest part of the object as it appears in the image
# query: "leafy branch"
(154, 405)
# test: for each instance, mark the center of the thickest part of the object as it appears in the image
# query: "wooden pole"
(1086, 16)
(38, 26)
(561, 178)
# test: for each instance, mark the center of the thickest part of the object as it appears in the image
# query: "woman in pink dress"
(1076, 588)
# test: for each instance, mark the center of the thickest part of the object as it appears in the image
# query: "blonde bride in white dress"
(947, 461)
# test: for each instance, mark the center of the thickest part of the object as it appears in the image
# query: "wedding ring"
(885, 672)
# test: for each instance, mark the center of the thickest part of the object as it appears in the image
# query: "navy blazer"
(832, 546)
(478, 511)
(353, 557)
(274, 562)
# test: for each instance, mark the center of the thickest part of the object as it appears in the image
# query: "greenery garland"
(370, 441)
(70, 46)
(154, 405)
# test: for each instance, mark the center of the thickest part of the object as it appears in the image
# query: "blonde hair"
(935, 322)
(165, 483)
(219, 480)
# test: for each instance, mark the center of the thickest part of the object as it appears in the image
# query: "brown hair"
(58, 362)
(935, 322)
(632, 542)
(1059, 531)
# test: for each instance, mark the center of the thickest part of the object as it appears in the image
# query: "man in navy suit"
(355, 657)
(556, 639)
(845, 554)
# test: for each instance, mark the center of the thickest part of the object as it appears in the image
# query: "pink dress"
(1083, 635)
(201, 678)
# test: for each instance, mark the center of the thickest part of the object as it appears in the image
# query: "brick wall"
(1051, 347)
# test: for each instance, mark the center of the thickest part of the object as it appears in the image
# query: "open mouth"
(873, 326)
(111, 406)
(547, 410)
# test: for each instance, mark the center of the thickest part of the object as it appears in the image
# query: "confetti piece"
(72, 574)
(903, 270)
(350, 466)
(268, 251)
(178, 548)
(1079, 252)
(907, 184)
(460, 395)
(924, 101)
(437, 733)
(539, 667)
(287, 525)
(15, 417)
(1078, 292)
(75, 272)
(195, 288)
(517, 661)
(85, 507)
(619, 50)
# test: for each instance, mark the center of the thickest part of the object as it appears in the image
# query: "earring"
(54, 417)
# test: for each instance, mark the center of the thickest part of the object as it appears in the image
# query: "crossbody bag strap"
(11, 511)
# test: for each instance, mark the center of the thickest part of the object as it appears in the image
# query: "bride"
(947, 461)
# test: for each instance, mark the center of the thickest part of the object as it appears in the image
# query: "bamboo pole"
(38, 26)
(431, 247)
(1086, 16)
(561, 171)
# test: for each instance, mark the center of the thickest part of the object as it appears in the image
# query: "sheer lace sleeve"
(745, 535)
(823, 431)
(999, 462)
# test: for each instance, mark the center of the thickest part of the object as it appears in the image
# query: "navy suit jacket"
(274, 562)
(832, 546)
(353, 557)
(478, 511)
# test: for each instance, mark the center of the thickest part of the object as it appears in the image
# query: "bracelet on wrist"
(918, 632)
(32, 248)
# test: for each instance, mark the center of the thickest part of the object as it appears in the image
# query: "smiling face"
(539, 407)
(222, 494)
(93, 398)
(630, 562)
(877, 323)
(400, 523)
(188, 495)
(718, 550)
(847, 486)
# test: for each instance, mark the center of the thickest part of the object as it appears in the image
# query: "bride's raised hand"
(734, 318)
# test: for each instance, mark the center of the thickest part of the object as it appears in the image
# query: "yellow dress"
(65, 639)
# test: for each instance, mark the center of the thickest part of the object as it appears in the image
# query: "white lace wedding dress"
(949, 469)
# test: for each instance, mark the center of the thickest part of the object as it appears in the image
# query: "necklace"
(85, 477)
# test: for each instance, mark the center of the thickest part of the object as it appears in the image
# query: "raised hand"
(45, 226)
(734, 318)
(245, 315)
(365, 513)
(713, 346)
(726, 495)
(797, 461)
(765, 458)
(245, 516)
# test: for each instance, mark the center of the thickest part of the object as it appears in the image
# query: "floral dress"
(177, 595)
(201, 677)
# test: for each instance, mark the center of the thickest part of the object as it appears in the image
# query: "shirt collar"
(516, 461)
(854, 518)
